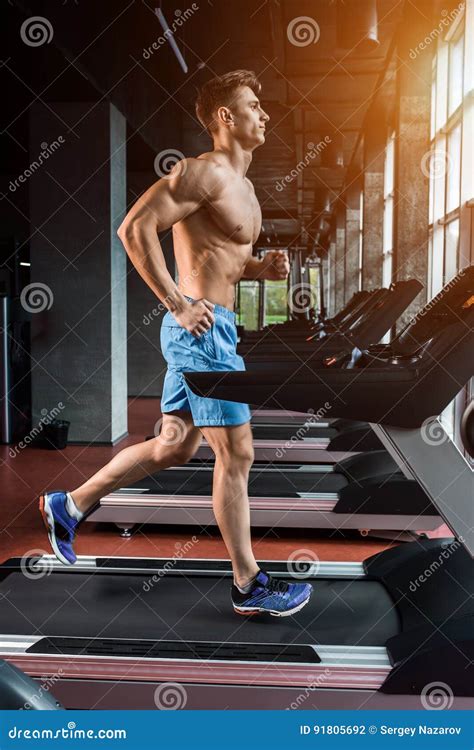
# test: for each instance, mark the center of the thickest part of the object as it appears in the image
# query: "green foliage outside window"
(247, 312)
(276, 302)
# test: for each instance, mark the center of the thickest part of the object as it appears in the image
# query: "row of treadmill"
(347, 436)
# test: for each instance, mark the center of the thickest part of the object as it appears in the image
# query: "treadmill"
(121, 633)
(369, 323)
(376, 317)
(303, 328)
(366, 492)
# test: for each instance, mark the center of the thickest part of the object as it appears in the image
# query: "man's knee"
(172, 455)
(235, 453)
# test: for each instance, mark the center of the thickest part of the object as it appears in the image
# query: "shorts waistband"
(218, 310)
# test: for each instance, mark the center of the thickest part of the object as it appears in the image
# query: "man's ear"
(225, 115)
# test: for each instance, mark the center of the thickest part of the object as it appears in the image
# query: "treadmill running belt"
(261, 484)
(292, 433)
(192, 608)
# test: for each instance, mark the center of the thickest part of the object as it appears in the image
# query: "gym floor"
(33, 470)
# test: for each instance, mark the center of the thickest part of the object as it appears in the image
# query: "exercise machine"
(364, 492)
(378, 634)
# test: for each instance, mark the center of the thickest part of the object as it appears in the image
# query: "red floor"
(33, 470)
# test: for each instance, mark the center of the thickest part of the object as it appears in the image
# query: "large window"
(276, 302)
(361, 241)
(248, 304)
(314, 280)
(261, 303)
(388, 210)
(451, 165)
(445, 157)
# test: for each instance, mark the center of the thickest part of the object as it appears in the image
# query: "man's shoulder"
(212, 175)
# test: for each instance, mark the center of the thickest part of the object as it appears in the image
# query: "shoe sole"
(261, 610)
(48, 520)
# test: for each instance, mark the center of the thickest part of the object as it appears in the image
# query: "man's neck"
(239, 159)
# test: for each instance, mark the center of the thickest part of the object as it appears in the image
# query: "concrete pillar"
(352, 200)
(78, 268)
(411, 152)
(146, 365)
(375, 138)
(340, 251)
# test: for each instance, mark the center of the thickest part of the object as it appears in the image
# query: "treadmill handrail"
(396, 396)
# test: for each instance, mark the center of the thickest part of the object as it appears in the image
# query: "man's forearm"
(254, 269)
(144, 250)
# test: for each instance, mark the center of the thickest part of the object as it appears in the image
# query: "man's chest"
(237, 213)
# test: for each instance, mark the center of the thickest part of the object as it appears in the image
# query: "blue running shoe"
(276, 597)
(61, 527)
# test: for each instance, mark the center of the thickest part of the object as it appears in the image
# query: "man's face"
(248, 117)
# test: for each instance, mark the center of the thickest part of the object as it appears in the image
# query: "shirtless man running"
(213, 210)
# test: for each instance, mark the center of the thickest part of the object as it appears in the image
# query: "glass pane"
(442, 86)
(431, 206)
(456, 52)
(453, 166)
(276, 302)
(387, 269)
(437, 260)
(389, 164)
(388, 225)
(451, 252)
(247, 314)
(313, 277)
(437, 171)
(361, 238)
(467, 148)
(433, 106)
(430, 265)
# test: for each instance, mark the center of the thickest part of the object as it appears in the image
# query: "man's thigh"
(177, 428)
(235, 440)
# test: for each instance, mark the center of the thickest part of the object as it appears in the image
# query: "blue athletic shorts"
(213, 351)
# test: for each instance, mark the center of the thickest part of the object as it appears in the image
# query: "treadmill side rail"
(429, 456)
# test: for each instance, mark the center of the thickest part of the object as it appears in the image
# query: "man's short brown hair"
(219, 92)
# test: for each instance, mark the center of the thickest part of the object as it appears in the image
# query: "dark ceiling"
(311, 90)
